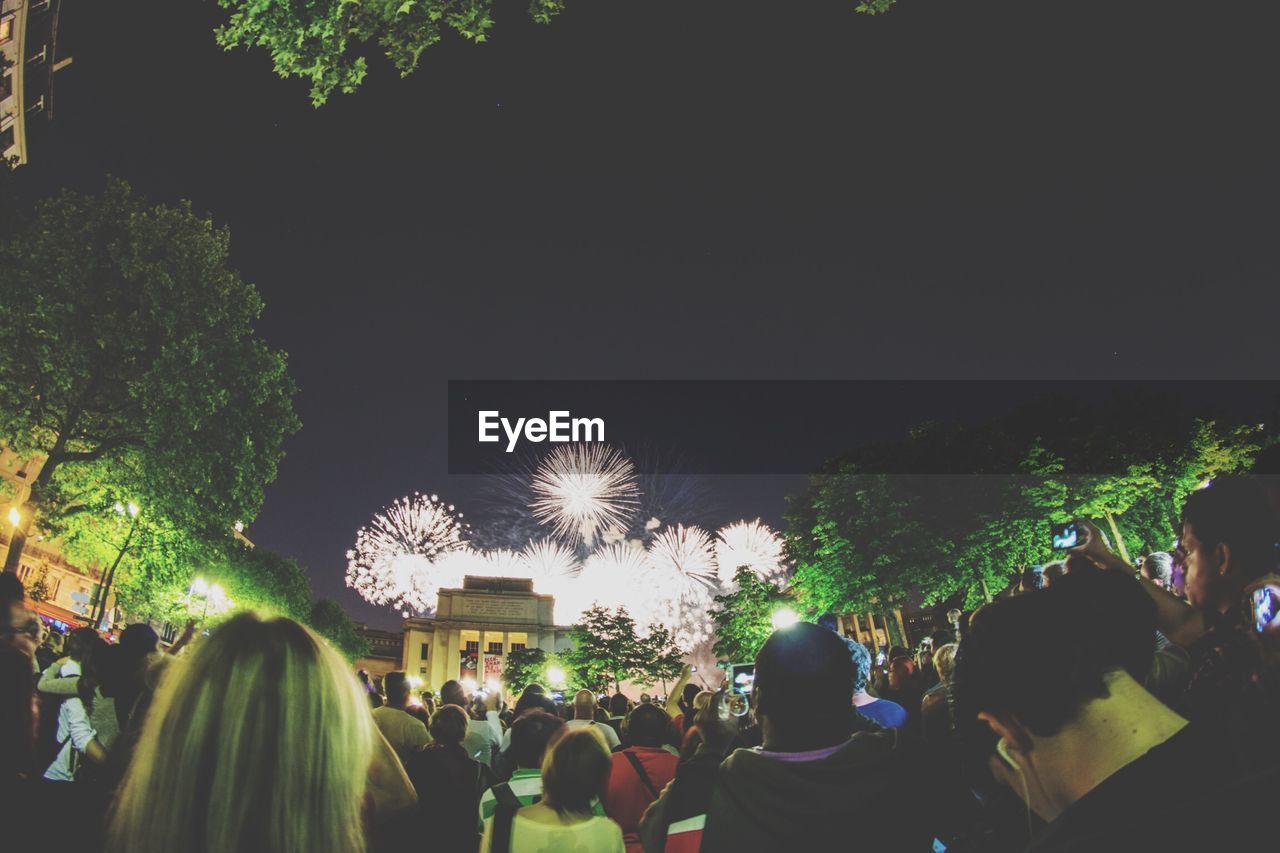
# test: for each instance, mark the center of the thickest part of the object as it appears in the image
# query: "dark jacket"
(868, 790)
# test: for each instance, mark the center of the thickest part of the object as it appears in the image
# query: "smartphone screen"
(1065, 536)
(742, 677)
(1264, 608)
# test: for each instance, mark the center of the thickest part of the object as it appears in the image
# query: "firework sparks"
(393, 561)
(585, 491)
(751, 544)
(684, 581)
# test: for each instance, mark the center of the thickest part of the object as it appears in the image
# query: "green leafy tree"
(661, 659)
(527, 666)
(324, 41)
(330, 621)
(744, 616)
(608, 649)
(261, 580)
(128, 357)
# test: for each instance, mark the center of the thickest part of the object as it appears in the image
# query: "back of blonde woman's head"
(259, 740)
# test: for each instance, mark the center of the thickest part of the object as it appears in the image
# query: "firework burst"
(751, 544)
(394, 558)
(684, 581)
(585, 492)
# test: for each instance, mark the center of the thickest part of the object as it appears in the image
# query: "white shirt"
(73, 728)
(606, 731)
(598, 835)
(483, 736)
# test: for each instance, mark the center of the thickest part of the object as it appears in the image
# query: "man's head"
(618, 705)
(449, 725)
(1158, 568)
(138, 640)
(944, 661)
(861, 659)
(1228, 539)
(79, 642)
(1051, 572)
(645, 699)
(803, 682)
(686, 698)
(453, 693)
(397, 686)
(531, 733)
(1031, 666)
(13, 608)
(647, 726)
(584, 705)
(901, 663)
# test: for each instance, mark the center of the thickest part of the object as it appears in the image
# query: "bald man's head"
(584, 705)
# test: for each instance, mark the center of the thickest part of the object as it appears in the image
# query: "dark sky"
(710, 189)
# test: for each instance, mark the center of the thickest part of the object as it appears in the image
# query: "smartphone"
(742, 677)
(1065, 536)
(1263, 605)
(693, 669)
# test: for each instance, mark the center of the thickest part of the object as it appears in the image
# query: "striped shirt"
(526, 784)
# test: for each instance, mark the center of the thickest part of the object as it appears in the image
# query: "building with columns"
(486, 618)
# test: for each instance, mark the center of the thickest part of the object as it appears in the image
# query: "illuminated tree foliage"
(961, 510)
(129, 364)
(330, 621)
(325, 41)
(744, 616)
(608, 649)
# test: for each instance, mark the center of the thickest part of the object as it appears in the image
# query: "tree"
(323, 41)
(607, 648)
(317, 41)
(744, 616)
(526, 666)
(330, 621)
(128, 357)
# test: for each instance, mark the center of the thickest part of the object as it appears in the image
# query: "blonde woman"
(575, 773)
(259, 739)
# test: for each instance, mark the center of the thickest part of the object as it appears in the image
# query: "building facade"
(476, 627)
(28, 38)
(60, 592)
(386, 651)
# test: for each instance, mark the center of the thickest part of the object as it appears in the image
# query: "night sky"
(708, 189)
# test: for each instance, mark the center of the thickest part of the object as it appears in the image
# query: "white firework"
(503, 563)
(614, 576)
(751, 544)
(551, 565)
(585, 491)
(394, 558)
(684, 580)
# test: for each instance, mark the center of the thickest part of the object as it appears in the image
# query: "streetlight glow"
(555, 675)
(15, 517)
(132, 509)
(200, 586)
(784, 617)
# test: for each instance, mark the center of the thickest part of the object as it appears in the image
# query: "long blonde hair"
(261, 740)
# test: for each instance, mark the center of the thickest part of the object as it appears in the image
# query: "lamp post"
(100, 606)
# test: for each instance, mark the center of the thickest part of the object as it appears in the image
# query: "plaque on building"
(492, 608)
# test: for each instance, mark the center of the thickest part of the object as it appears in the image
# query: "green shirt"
(526, 784)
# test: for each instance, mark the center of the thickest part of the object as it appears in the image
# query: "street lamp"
(15, 517)
(784, 617)
(555, 675)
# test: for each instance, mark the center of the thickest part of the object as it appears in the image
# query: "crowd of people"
(1093, 709)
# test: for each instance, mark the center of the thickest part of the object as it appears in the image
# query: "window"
(424, 651)
(6, 29)
(517, 647)
(6, 138)
(495, 648)
(6, 89)
(473, 646)
(422, 670)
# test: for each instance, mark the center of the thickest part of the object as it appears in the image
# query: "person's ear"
(1222, 555)
(1009, 730)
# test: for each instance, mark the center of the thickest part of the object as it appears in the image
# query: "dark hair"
(79, 642)
(1235, 511)
(11, 592)
(99, 669)
(530, 734)
(138, 640)
(861, 659)
(803, 676)
(449, 725)
(1042, 657)
(647, 726)
(575, 771)
(530, 701)
(618, 705)
(453, 693)
(686, 699)
(396, 684)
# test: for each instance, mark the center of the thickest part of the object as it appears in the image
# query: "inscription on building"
(499, 609)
